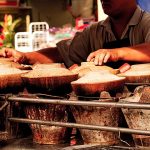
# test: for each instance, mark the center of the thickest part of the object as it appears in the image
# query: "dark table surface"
(28, 144)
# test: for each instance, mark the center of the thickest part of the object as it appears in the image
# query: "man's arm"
(138, 53)
(47, 55)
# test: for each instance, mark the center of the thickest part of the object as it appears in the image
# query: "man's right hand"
(12, 53)
(103, 56)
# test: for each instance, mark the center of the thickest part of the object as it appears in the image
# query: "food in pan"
(90, 66)
(139, 73)
(47, 80)
(10, 79)
(97, 81)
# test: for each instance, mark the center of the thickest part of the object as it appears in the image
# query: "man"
(124, 37)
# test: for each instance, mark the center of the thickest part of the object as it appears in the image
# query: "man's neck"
(119, 23)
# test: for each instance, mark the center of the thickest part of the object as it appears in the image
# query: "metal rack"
(80, 103)
(11, 99)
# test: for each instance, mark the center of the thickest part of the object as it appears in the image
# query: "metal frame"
(80, 103)
(11, 99)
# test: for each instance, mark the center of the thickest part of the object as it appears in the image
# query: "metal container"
(102, 116)
(11, 130)
(44, 134)
(139, 118)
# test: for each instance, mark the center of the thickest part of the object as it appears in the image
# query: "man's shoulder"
(145, 19)
(146, 15)
(96, 25)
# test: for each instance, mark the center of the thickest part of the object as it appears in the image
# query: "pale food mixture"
(10, 71)
(98, 77)
(48, 73)
(136, 72)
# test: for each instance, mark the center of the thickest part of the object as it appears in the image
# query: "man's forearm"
(139, 53)
(47, 55)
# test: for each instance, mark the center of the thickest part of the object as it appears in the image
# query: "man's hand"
(102, 56)
(11, 53)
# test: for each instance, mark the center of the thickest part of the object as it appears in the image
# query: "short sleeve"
(63, 48)
(79, 48)
(146, 27)
(76, 50)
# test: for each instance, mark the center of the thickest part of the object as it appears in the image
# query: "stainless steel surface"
(27, 144)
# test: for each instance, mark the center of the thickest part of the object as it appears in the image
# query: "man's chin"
(107, 12)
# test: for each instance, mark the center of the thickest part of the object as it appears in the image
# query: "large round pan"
(10, 81)
(51, 80)
(89, 86)
(137, 76)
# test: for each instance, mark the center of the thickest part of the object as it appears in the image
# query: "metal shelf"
(14, 10)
